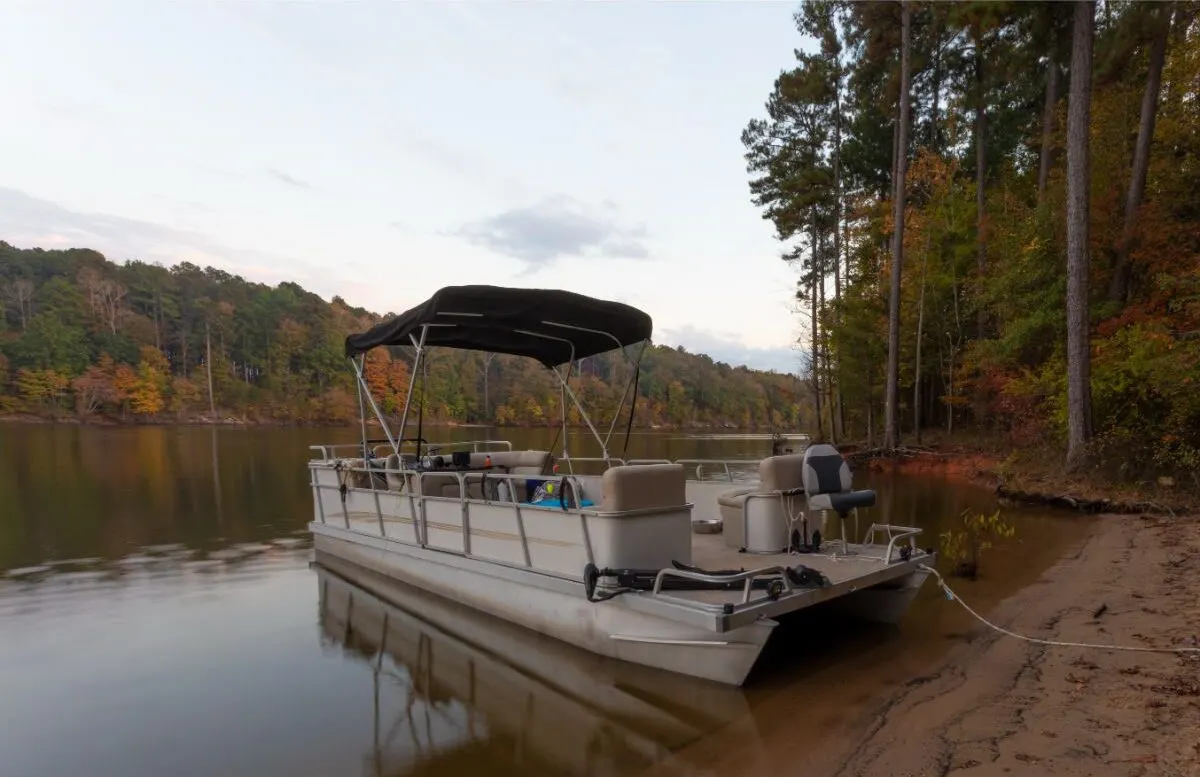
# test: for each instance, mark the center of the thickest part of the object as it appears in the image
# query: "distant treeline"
(85, 336)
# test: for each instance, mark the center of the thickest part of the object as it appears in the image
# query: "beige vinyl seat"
(758, 517)
(642, 487)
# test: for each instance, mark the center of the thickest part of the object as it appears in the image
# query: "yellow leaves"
(185, 395)
(40, 386)
(149, 383)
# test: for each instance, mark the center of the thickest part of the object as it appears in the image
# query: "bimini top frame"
(552, 326)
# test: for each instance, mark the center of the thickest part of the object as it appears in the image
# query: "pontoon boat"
(610, 562)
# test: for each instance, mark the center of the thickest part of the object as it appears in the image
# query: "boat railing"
(895, 534)
(381, 448)
(475, 446)
(748, 576)
(779, 585)
(703, 467)
(418, 498)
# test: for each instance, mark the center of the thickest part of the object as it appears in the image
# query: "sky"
(381, 150)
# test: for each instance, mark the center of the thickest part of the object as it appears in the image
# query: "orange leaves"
(96, 387)
(376, 372)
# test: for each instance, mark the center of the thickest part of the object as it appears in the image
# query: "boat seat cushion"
(842, 503)
(781, 473)
(642, 487)
(735, 498)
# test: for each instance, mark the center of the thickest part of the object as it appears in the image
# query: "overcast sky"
(379, 151)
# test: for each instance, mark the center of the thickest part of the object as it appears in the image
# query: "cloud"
(732, 351)
(29, 221)
(555, 228)
(283, 177)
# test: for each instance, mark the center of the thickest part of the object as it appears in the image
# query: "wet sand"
(995, 705)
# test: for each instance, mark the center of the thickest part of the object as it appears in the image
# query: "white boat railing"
(382, 448)
(418, 499)
(746, 608)
(726, 466)
(706, 469)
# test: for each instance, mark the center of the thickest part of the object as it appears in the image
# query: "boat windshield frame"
(542, 324)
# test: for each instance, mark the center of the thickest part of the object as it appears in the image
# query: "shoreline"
(999, 705)
(1026, 483)
(231, 420)
(994, 705)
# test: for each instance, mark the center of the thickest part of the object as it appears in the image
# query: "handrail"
(905, 533)
(330, 451)
(378, 467)
(699, 463)
(749, 576)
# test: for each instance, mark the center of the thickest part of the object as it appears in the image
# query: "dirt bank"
(1035, 477)
(995, 705)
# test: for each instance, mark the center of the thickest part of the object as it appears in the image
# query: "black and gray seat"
(827, 484)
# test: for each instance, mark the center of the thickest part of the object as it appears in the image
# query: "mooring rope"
(950, 594)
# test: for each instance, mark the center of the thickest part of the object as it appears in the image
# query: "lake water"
(159, 615)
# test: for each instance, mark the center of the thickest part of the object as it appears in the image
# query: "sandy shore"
(996, 705)
(1002, 706)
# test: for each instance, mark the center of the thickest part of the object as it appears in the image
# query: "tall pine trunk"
(815, 352)
(1079, 411)
(840, 422)
(980, 171)
(1118, 287)
(1053, 76)
(891, 412)
(920, 333)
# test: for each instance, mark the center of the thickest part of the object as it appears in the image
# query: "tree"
(1119, 285)
(891, 417)
(263, 352)
(1079, 410)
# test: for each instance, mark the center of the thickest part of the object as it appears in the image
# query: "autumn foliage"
(82, 335)
(983, 321)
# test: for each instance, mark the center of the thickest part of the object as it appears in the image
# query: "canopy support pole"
(362, 408)
(567, 389)
(419, 345)
(637, 366)
(562, 403)
(364, 389)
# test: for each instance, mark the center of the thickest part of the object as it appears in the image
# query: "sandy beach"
(997, 705)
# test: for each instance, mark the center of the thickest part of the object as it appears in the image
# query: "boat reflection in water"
(457, 691)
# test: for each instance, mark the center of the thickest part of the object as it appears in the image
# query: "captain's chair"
(827, 484)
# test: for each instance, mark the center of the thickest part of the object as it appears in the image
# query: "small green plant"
(963, 547)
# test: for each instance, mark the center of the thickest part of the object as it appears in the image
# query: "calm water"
(159, 616)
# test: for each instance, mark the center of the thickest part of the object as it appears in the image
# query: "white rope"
(955, 597)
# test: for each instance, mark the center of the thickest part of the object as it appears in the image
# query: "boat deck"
(709, 552)
(887, 560)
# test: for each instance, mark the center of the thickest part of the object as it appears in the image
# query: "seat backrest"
(781, 473)
(825, 471)
(642, 487)
(528, 462)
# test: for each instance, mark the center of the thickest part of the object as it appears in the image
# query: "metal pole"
(419, 345)
(364, 389)
(362, 410)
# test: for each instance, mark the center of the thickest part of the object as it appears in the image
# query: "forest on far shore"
(85, 337)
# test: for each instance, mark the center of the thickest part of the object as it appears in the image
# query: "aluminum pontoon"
(611, 562)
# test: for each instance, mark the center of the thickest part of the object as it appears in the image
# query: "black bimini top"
(549, 325)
